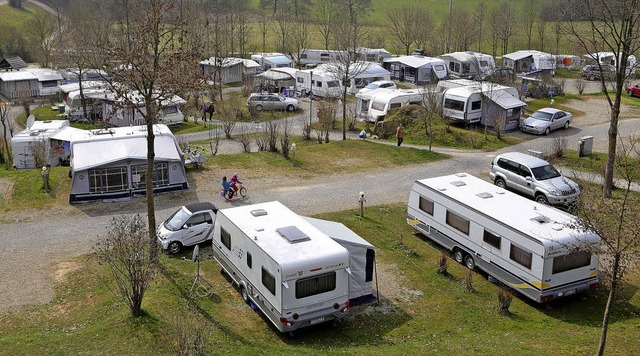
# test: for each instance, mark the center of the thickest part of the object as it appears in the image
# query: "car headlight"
(553, 191)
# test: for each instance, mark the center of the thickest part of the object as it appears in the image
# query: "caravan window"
(225, 238)
(466, 68)
(521, 256)
(395, 105)
(454, 104)
(303, 56)
(108, 180)
(491, 239)
(439, 68)
(269, 281)
(571, 261)
(370, 259)
(170, 110)
(300, 80)
(319, 84)
(457, 222)
(476, 105)
(160, 178)
(426, 205)
(323, 283)
(332, 84)
(324, 57)
(378, 105)
(49, 83)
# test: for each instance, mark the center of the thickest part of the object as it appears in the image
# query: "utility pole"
(449, 27)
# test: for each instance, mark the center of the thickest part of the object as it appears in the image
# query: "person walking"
(400, 134)
(210, 110)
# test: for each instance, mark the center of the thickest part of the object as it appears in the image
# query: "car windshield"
(177, 220)
(545, 172)
(372, 86)
(540, 115)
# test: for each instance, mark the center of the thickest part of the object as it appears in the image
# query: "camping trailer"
(312, 57)
(272, 60)
(483, 103)
(381, 100)
(93, 98)
(119, 112)
(293, 272)
(417, 70)
(469, 65)
(324, 83)
(366, 73)
(533, 248)
(610, 58)
(530, 62)
(23, 144)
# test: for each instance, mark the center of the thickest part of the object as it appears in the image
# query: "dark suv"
(592, 72)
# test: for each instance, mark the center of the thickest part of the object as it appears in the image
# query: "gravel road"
(36, 248)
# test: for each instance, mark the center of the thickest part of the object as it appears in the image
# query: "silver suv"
(272, 101)
(533, 177)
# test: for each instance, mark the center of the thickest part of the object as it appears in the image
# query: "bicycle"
(230, 194)
(242, 191)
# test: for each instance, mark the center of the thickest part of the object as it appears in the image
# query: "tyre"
(500, 183)
(258, 107)
(630, 93)
(542, 199)
(222, 272)
(245, 294)
(458, 255)
(566, 125)
(469, 262)
(547, 131)
(290, 108)
(243, 192)
(174, 247)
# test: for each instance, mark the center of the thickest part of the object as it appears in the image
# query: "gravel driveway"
(37, 246)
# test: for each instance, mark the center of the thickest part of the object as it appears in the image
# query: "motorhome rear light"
(594, 285)
(295, 316)
(346, 307)
(546, 298)
(336, 306)
(286, 321)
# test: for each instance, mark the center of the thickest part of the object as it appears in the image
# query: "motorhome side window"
(457, 222)
(521, 256)
(454, 104)
(476, 105)
(491, 239)
(225, 238)
(426, 205)
(300, 80)
(571, 261)
(269, 281)
(249, 260)
(306, 287)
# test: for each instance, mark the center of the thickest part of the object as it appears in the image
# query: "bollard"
(293, 153)
(362, 200)
(45, 179)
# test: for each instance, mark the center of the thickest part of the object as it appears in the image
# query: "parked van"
(289, 269)
(533, 248)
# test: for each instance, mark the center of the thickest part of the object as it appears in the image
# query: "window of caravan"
(458, 222)
(439, 68)
(476, 105)
(303, 56)
(108, 180)
(269, 281)
(49, 83)
(332, 84)
(324, 57)
(170, 110)
(323, 283)
(491, 239)
(300, 80)
(466, 68)
(426, 205)
(484, 64)
(454, 104)
(521, 256)
(571, 261)
(378, 105)
(249, 260)
(225, 238)
(319, 84)
(394, 105)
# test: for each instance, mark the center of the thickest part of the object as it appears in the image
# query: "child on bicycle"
(227, 186)
(234, 183)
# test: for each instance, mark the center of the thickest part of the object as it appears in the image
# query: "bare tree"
(615, 220)
(541, 27)
(613, 26)
(461, 37)
(42, 34)
(158, 66)
(404, 25)
(494, 31)
(432, 103)
(300, 37)
(526, 22)
(264, 26)
(125, 251)
(7, 133)
(282, 28)
(325, 13)
(478, 19)
(506, 15)
(427, 38)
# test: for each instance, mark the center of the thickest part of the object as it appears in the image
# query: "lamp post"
(310, 99)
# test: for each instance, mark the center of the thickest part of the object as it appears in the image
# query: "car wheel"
(566, 125)
(542, 199)
(245, 294)
(290, 108)
(547, 131)
(500, 183)
(469, 262)
(174, 247)
(630, 92)
(458, 255)
(259, 107)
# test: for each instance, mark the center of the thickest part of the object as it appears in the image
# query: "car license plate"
(316, 320)
(570, 292)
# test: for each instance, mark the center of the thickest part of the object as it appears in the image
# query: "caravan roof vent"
(458, 183)
(461, 175)
(485, 195)
(258, 212)
(541, 219)
(292, 234)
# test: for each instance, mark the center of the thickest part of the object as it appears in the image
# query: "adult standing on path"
(400, 134)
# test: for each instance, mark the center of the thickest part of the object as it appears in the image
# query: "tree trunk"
(607, 187)
(151, 209)
(607, 309)
(344, 111)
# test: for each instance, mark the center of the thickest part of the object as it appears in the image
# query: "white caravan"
(294, 273)
(312, 57)
(39, 133)
(323, 83)
(119, 112)
(469, 64)
(374, 105)
(610, 58)
(532, 248)
(73, 108)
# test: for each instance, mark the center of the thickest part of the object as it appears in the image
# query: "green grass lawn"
(12, 17)
(419, 312)
(558, 102)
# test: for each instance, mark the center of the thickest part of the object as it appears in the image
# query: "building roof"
(17, 76)
(45, 74)
(12, 62)
(248, 63)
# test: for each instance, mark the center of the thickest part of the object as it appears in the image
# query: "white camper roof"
(17, 76)
(222, 62)
(263, 223)
(339, 232)
(98, 147)
(385, 94)
(499, 94)
(44, 74)
(248, 63)
(415, 61)
(543, 223)
(467, 56)
(518, 55)
(87, 84)
(40, 130)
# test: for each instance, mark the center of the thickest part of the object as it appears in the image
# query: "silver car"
(190, 225)
(533, 177)
(272, 101)
(546, 120)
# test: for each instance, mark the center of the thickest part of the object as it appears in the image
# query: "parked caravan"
(465, 104)
(324, 83)
(380, 101)
(443, 85)
(48, 81)
(277, 80)
(272, 60)
(417, 70)
(313, 57)
(221, 70)
(469, 65)
(532, 248)
(93, 99)
(119, 112)
(366, 73)
(23, 144)
(14, 85)
(610, 58)
(293, 272)
(530, 62)
(362, 257)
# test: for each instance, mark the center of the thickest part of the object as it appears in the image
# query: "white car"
(546, 120)
(190, 225)
(379, 84)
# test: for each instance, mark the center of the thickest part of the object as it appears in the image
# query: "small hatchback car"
(190, 225)
(533, 177)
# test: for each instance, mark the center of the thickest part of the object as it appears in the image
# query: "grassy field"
(419, 312)
(11, 17)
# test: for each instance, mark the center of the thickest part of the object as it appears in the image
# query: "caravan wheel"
(469, 262)
(245, 294)
(458, 255)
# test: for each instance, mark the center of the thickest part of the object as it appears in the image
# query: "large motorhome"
(533, 248)
(293, 272)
